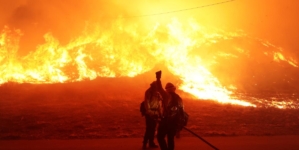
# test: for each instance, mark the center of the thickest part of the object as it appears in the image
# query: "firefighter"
(152, 100)
(169, 124)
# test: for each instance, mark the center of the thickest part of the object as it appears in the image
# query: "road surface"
(184, 143)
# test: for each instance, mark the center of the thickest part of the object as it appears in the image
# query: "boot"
(144, 146)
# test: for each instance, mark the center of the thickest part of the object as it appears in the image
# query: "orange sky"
(276, 21)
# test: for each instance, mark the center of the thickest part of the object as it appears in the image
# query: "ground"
(83, 111)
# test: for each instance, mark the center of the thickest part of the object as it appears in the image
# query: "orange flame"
(124, 50)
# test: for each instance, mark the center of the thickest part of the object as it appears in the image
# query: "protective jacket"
(171, 103)
(152, 101)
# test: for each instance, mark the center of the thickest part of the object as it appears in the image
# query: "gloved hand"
(180, 127)
(158, 75)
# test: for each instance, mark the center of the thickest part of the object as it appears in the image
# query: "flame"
(279, 57)
(127, 49)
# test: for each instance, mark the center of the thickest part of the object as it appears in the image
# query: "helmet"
(169, 85)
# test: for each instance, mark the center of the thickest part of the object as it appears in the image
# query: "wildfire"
(128, 50)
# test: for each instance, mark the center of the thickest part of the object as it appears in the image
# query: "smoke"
(275, 21)
(64, 19)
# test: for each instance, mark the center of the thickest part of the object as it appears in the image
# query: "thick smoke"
(276, 21)
(64, 19)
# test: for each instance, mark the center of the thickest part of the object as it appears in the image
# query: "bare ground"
(85, 112)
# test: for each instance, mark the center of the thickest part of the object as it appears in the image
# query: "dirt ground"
(77, 111)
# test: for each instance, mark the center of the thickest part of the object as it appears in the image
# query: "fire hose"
(201, 138)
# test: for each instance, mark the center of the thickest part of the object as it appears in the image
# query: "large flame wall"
(130, 45)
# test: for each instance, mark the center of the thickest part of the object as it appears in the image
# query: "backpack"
(183, 118)
(142, 108)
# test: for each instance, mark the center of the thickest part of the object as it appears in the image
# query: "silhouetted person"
(171, 104)
(152, 100)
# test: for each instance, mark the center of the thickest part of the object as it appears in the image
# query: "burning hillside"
(206, 62)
